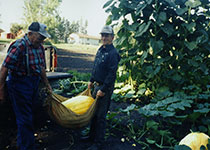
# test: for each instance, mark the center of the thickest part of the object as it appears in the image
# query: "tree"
(65, 28)
(44, 11)
(15, 28)
(83, 26)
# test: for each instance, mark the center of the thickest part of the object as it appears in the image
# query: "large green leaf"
(152, 125)
(157, 70)
(190, 27)
(203, 38)
(193, 3)
(162, 16)
(128, 109)
(190, 45)
(179, 105)
(107, 3)
(150, 141)
(203, 110)
(176, 77)
(131, 27)
(142, 5)
(130, 94)
(121, 40)
(171, 3)
(168, 29)
(166, 113)
(157, 46)
(143, 57)
(163, 92)
(170, 100)
(117, 15)
(142, 28)
(181, 11)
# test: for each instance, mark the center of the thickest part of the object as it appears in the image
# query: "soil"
(51, 136)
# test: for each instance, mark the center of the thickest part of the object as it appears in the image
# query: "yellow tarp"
(64, 116)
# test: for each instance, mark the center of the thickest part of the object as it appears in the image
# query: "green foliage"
(64, 29)
(164, 47)
(46, 11)
(73, 86)
(15, 28)
(83, 26)
(163, 43)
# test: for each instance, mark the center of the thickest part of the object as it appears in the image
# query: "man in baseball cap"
(102, 81)
(24, 66)
(107, 29)
(37, 33)
(40, 28)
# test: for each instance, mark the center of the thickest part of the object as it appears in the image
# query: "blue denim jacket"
(105, 66)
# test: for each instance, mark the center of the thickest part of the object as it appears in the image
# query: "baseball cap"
(107, 29)
(40, 28)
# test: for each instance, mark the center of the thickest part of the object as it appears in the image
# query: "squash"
(79, 104)
(195, 140)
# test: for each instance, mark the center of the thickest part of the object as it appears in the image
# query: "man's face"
(106, 38)
(36, 39)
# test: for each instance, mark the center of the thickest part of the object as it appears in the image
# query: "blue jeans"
(98, 123)
(23, 93)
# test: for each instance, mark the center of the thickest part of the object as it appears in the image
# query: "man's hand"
(45, 80)
(100, 93)
(49, 87)
(90, 85)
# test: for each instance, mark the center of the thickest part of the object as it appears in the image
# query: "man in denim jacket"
(103, 75)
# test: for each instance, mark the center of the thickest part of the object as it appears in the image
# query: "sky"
(11, 11)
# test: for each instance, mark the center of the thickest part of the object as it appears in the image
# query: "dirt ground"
(49, 135)
(81, 61)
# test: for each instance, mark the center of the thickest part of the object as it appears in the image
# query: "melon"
(79, 104)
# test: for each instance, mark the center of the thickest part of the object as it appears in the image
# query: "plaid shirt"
(15, 60)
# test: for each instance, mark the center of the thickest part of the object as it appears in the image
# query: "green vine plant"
(164, 45)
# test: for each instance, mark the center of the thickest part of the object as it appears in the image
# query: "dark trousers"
(98, 123)
(23, 93)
